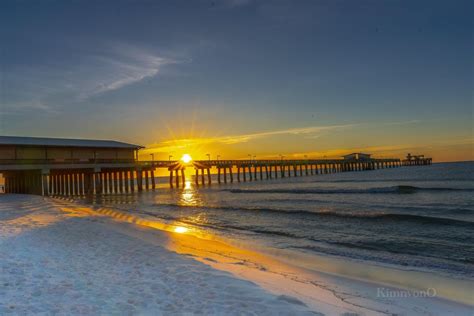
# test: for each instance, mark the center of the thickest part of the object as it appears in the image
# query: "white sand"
(61, 258)
(54, 262)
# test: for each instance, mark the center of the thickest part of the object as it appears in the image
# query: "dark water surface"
(416, 217)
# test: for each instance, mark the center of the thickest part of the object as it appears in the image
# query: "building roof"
(63, 142)
(360, 154)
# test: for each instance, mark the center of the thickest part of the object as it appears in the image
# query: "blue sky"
(380, 75)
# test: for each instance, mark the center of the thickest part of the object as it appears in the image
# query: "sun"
(180, 229)
(186, 158)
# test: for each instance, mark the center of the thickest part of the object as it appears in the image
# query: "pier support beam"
(127, 181)
(139, 180)
(45, 184)
(120, 181)
(110, 185)
(132, 181)
(98, 184)
(152, 178)
(147, 181)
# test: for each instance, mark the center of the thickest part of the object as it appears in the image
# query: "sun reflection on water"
(188, 196)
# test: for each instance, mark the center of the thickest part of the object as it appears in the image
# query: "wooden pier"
(229, 171)
(80, 168)
(416, 160)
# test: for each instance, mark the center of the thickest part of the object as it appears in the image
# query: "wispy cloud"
(125, 66)
(26, 107)
(79, 77)
(402, 123)
(309, 132)
(230, 4)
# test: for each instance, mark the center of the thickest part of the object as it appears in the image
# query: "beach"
(62, 260)
(60, 257)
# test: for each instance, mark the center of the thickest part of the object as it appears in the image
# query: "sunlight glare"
(180, 229)
(186, 158)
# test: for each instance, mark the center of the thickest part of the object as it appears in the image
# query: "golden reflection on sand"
(273, 270)
(38, 217)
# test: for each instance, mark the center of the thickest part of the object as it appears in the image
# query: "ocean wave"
(446, 264)
(390, 180)
(398, 189)
(369, 216)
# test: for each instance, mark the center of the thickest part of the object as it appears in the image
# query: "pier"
(229, 171)
(416, 160)
(61, 167)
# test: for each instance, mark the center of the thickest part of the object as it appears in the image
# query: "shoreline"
(321, 292)
(282, 277)
(61, 259)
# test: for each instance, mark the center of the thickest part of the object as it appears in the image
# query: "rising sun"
(180, 229)
(186, 158)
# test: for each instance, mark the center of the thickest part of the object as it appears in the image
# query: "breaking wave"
(399, 189)
(370, 216)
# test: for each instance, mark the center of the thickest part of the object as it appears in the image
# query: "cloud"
(311, 132)
(403, 122)
(51, 84)
(229, 4)
(19, 108)
(124, 67)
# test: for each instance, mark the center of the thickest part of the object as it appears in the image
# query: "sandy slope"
(57, 262)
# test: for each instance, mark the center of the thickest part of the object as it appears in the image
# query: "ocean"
(417, 218)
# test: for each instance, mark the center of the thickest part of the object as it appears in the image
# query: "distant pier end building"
(417, 160)
(63, 166)
(357, 157)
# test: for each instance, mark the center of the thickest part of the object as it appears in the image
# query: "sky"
(240, 77)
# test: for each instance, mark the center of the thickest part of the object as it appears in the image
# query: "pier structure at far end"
(416, 160)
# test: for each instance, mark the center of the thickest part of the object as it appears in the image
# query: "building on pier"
(416, 160)
(357, 156)
(17, 150)
(61, 166)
